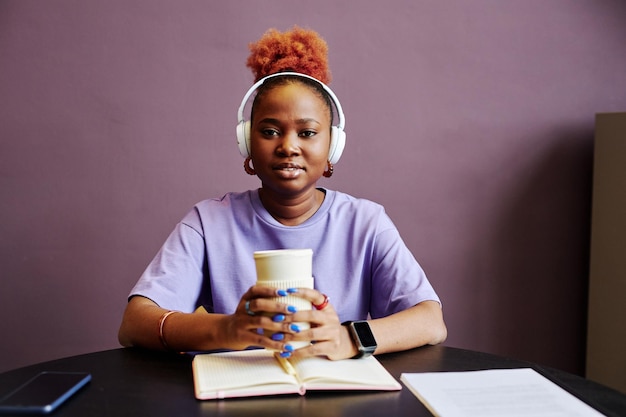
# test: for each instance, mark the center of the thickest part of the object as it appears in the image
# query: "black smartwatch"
(362, 337)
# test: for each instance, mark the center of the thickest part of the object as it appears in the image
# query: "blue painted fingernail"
(285, 354)
(292, 309)
(259, 331)
(278, 337)
(292, 290)
(289, 348)
(278, 317)
(294, 327)
(281, 293)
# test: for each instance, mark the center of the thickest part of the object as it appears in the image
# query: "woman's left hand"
(329, 338)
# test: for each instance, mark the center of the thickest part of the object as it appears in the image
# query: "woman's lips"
(288, 170)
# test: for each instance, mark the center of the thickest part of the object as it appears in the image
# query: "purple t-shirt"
(359, 258)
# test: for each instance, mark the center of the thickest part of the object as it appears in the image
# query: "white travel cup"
(283, 269)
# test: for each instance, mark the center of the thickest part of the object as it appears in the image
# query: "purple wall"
(472, 122)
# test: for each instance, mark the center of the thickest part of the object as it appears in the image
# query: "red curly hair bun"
(298, 50)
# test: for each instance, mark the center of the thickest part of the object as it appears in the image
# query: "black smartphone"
(44, 392)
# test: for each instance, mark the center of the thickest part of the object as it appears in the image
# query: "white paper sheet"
(496, 392)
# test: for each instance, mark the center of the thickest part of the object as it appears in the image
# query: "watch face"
(366, 336)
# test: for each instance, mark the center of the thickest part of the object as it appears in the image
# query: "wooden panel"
(606, 339)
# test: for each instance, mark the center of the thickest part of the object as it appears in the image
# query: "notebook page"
(239, 371)
(364, 373)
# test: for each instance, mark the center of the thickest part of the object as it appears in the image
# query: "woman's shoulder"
(231, 202)
(354, 206)
(227, 200)
(219, 211)
(341, 199)
(358, 212)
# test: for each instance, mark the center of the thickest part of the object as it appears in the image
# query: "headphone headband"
(340, 116)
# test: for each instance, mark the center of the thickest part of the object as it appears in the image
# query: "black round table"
(135, 382)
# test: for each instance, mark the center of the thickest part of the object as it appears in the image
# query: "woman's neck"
(294, 210)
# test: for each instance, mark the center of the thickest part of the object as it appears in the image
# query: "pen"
(285, 364)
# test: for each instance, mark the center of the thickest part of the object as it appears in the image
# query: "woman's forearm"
(419, 325)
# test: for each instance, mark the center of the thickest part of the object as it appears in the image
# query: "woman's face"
(290, 138)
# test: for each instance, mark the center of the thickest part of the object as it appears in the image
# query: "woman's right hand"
(260, 321)
(268, 324)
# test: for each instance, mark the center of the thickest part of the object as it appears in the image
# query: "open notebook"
(258, 372)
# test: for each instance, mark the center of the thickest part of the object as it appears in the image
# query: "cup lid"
(280, 252)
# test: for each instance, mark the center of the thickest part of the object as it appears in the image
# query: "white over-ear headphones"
(337, 134)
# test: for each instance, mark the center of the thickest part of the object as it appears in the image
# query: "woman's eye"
(308, 133)
(269, 132)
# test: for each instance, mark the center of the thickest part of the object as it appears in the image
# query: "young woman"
(199, 292)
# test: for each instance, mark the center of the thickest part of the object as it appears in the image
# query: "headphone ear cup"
(243, 138)
(337, 143)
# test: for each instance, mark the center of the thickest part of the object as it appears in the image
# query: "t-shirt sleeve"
(399, 282)
(174, 278)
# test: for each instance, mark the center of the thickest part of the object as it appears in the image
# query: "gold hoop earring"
(329, 172)
(246, 166)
